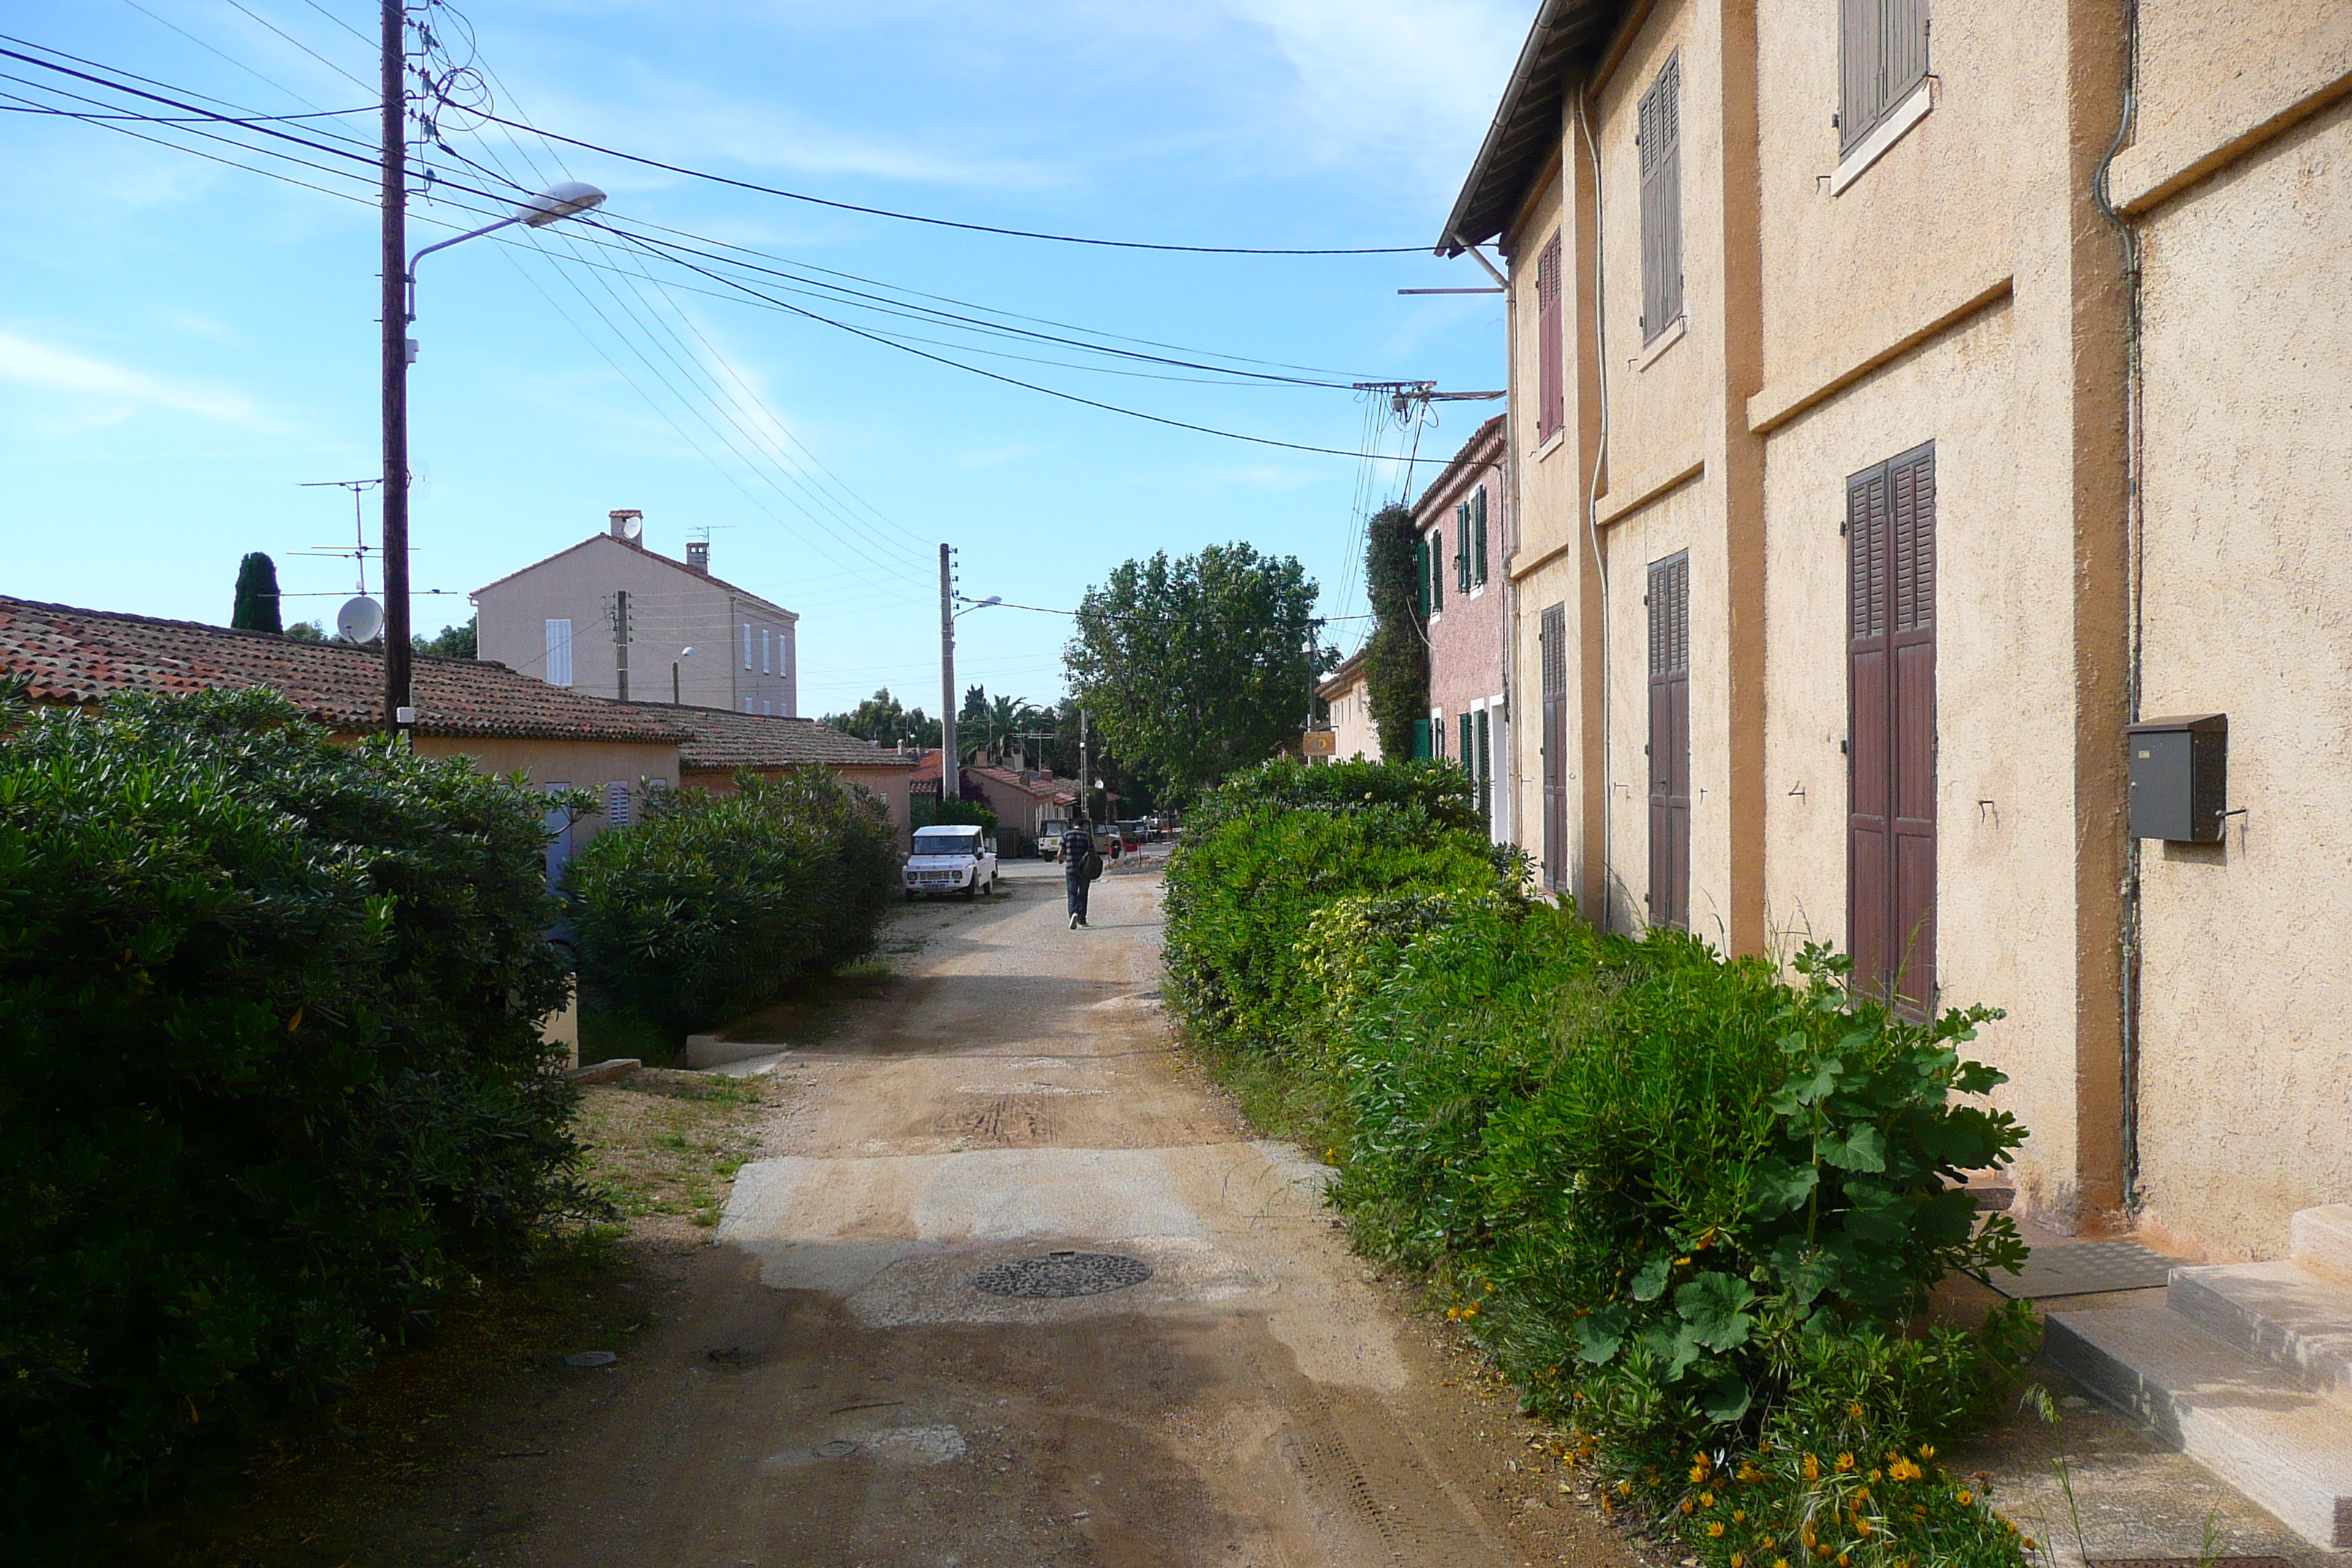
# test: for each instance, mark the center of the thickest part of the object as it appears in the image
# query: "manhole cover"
(1062, 1274)
(834, 1449)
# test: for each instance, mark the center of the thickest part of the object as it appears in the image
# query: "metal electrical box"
(2180, 777)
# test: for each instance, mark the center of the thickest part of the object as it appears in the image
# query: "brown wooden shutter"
(1551, 387)
(1659, 125)
(1891, 763)
(1669, 748)
(1882, 56)
(1554, 640)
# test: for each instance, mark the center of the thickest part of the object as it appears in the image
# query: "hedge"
(1692, 1206)
(715, 904)
(272, 1078)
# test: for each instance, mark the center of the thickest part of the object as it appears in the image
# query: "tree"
(883, 720)
(450, 642)
(1193, 668)
(1396, 659)
(256, 609)
(307, 631)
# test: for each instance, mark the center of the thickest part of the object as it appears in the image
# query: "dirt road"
(833, 1386)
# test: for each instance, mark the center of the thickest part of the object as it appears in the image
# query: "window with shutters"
(747, 649)
(1437, 733)
(765, 639)
(1462, 547)
(1659, 129)
(1420, 576)
(1551, 384)
(617, 803)
(1478, 535)
(1891, 738)
(1485, 769)
(1553, 638)
(1668, 602)
(559, 653)
(1882, 57)
(1437, 570)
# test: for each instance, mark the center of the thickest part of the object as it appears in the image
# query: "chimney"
(627, 524)
(698, 555)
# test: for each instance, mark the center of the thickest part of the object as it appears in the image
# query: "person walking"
(1081, 864)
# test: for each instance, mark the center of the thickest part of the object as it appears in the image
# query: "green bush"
(1267, 850)
(715, 904)
(272, 1078)
(1691, 1206)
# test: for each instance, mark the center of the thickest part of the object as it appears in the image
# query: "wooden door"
(1669, 748)
(1554, 640)
(1891, 749)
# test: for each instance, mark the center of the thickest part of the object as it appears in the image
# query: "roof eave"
(1562, 28)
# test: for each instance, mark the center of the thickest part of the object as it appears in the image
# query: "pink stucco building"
(1466, 539)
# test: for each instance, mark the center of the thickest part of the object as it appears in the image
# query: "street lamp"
(556, 202)
(951, 769)
(682, 653)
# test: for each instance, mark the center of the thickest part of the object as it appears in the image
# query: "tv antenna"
(360, 548)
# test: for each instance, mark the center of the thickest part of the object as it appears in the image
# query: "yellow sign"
(1321, 743)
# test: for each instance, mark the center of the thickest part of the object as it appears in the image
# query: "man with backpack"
(1081, 864)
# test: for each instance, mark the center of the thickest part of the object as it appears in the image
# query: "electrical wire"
(950, 223)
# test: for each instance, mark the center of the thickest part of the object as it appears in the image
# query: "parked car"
(1131, 833)
(951, 859)
(1049, 837)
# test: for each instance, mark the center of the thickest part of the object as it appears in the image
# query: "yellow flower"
(1965, 1498)
(1697, 1473)
(2027, 1543)
(1862, 1526)
(1706, 1499)
(1843, 1561)
(1855, 1410)
(1927, 1450)
(1453, 1311)
(1625, 1489)
(1714, 1530)
(1812, 1468)
(1686, 1505)
(1779, 1562)
(1845, 1463)
(1740, 1515)
(1874, 1475)
(1737, 1561)
(1471, 1310)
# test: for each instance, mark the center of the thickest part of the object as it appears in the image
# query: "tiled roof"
(81, 657)
(722, 738)
(1484, 447)
(1041, 789)
(759, 599)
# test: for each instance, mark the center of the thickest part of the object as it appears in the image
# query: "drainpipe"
(2130, 939)
(1593, 491)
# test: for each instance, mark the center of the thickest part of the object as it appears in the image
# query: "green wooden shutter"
(1420, 739)
(1420, 576)
(1437, 570)
(1462, 546)
(1478, 531)
(1469, 747)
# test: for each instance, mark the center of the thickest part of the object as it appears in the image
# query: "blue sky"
(184, 345)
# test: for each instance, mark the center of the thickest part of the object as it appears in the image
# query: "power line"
(300, 45)
(950, 223)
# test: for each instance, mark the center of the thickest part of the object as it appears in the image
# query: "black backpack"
(1092, 866)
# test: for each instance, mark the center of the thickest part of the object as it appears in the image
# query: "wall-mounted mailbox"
(2180, 777)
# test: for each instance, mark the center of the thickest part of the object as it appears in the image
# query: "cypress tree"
(256, 595)
(1396, 661)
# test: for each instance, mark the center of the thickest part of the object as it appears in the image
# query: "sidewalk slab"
(2276, 1312)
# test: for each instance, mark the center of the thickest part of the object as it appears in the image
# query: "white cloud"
(118, 390)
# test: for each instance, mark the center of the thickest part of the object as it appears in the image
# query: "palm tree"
(1007, 717)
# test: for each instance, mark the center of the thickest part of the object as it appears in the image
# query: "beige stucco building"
(578, 618)
(1346, 700)
(1865, 496)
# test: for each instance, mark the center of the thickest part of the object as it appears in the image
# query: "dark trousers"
(1075, 885)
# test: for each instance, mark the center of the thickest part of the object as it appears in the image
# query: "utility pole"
(949, 772)
(621, 641)
(1086, 775)
(398, 712)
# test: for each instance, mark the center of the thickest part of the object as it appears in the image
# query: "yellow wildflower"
(1855, 1410)
(1738, 1559)
(1862, 1526)
(1927, 1450)
(1965, 1498)
(1812, 1468)
(1714, 1530)
(1686, 1505)
(2027, 1543)
(1740, 1515)
(1706, 1499)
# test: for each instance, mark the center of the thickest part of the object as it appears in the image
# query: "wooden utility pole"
(398, 714)
(951, 776)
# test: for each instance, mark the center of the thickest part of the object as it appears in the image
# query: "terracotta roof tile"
(73, 656)
(720, 738)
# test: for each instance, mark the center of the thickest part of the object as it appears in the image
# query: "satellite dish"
(632, 528)
(360, 620)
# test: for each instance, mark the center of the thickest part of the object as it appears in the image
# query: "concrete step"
(2288, 1448)
(2321, 1240)
(2278, 1312)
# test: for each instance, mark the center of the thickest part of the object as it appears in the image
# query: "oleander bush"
(271, 1076)
(714, 905)
(1694, 1206)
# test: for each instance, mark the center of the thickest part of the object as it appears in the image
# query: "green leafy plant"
(1396, 656)
(274, 1082)
(715, 904)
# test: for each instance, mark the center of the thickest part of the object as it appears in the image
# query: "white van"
(951, 859)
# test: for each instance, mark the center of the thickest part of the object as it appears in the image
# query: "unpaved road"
(830, 1389)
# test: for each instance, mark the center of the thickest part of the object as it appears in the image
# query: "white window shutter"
(558, 668)
(746, 646)
(617, 803)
